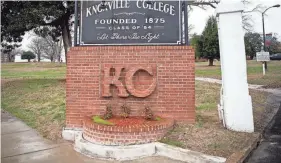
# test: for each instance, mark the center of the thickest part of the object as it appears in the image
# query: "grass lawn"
(32, 70)
(38, 102)
(272, 78)
(35, 93)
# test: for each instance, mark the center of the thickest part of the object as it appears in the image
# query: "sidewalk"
(251, 86)
(21, 144)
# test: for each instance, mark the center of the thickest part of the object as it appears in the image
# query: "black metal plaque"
(130, 22)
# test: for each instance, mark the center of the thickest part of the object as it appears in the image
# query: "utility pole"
(184, 7)
(75, 22)
(264, 46)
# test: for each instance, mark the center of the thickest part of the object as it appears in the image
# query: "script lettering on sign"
(130, 22)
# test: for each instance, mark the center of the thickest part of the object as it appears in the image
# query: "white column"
(237, 103)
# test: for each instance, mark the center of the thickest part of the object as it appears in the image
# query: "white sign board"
(263, 56)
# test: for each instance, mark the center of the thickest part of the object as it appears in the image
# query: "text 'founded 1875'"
(130, 22)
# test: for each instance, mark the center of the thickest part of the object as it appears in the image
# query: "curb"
(241, 156)
(122, 153)
(185, 155)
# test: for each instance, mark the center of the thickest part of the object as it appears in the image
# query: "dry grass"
(35, 93)
(38, 102)
(207, 135)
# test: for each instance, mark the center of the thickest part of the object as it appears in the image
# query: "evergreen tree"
(210, 41)
(28, 55)
(196, 42)
(253, 44)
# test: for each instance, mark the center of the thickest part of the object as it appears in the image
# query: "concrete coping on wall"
(229, 7)
(129, 47)
(133, 152)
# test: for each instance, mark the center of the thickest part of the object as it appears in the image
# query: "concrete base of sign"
(69, 133)
(139, 151)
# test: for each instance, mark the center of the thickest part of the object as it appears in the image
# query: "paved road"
(269, 150)
(21, 144)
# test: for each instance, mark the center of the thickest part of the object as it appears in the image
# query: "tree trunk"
(211, 62)
(10, 57)
(38, 57)
(65, 41)
(66, 37)
(28, 59)
(68, 33)
(59, 58)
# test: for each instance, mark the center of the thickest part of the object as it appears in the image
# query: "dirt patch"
(273, 84)
(211, 139)
(207, 135)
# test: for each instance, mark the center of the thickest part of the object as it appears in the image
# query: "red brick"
(174, 94)
(122, 135)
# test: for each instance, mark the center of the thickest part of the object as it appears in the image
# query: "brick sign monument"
(129, 52)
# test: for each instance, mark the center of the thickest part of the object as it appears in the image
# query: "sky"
(198, 18)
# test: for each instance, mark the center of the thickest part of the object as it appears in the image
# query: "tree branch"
(203, 3)
(256, 9)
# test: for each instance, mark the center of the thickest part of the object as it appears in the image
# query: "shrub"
(148, 113)
(125, 111)
(108, 112)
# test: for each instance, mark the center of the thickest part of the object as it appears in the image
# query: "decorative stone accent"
(113, 80)
(112, 75)
(125, 135)
(129, 81)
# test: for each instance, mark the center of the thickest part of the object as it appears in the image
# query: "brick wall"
(124, 135)
(165, 81)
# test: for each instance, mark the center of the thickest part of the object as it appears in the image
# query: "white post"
(237, 103)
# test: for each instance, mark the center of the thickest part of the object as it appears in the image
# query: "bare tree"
(203, 3)
(52, 49)
(10, 56)
(59, 50)
(247, 19)
(37, 46)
